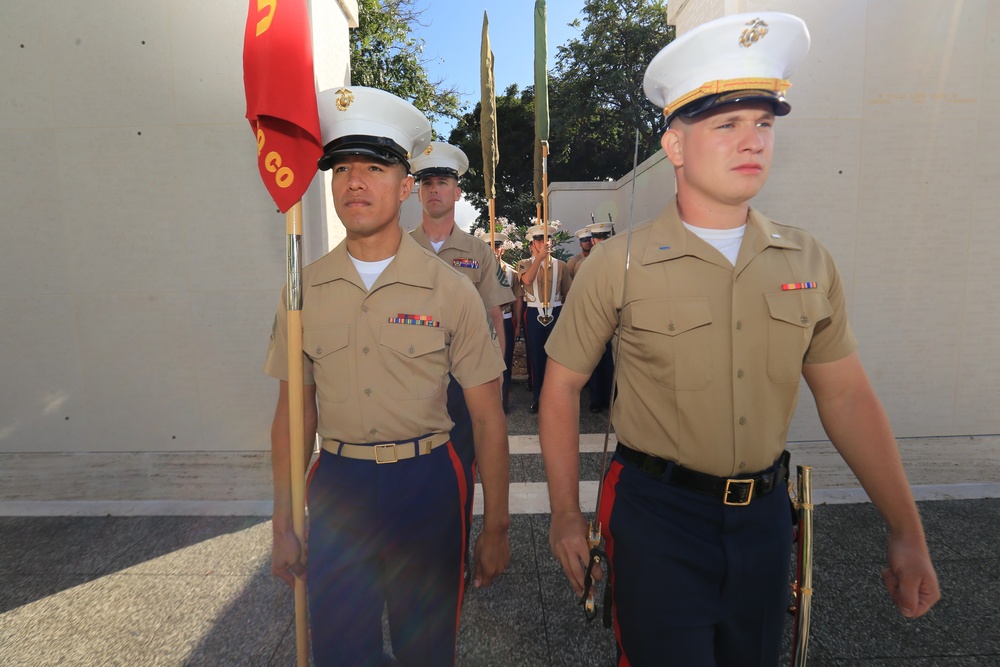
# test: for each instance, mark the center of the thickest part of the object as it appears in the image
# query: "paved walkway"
(195, 590)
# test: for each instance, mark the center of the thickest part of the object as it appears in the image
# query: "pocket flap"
(412, 340)
(803, 308)
(319, 342)
(671, 317)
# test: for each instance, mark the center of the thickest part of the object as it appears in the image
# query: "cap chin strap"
(727, 86)
(435, 171)
(367, 145)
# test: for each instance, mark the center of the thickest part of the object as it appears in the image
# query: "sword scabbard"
(802, 589)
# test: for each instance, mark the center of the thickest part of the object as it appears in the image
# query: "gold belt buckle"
(729, 483)
(390, 453)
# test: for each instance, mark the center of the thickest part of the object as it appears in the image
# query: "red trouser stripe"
(604, 517)
(463, 496)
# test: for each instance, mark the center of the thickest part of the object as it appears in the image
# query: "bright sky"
(452, 33)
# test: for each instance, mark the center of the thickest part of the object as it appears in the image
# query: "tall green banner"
(488, 113)
(541, 93)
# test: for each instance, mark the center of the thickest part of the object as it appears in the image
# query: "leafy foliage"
(596, 103)
(514, 173)
(596, 95)
(596, 100)
(518, 246)
(385, 55)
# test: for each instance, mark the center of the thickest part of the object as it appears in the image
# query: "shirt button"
(373, 431)
(804, 319)
(364, 309)
(365, 349)
(739, 373)
(739, 325)
(743, 420)
(368, 392)
(319, 351)
(743, 464)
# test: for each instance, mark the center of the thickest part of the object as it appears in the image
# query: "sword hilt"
(594, 542)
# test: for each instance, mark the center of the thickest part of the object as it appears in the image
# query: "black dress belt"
(736, 491)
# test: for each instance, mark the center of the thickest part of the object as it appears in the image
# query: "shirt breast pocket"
(794, 315)
(327, 348)
(671, 338)
(416, 360)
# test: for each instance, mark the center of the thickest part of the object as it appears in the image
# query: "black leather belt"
(738, 491)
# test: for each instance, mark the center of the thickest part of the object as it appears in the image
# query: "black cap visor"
(436, 171)
(383, 149)
(703, 104)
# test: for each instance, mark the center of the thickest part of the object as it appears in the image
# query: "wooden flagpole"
(296, 426)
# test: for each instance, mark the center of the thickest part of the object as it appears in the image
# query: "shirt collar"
(457, 239)
(409, 266)
(668, 239)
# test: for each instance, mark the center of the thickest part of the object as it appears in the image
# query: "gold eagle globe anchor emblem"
(754, 32)
(345, 99)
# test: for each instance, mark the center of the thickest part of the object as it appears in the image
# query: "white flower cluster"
(505, 227)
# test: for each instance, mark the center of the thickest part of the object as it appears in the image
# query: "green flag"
(541, 93)
(488, 113)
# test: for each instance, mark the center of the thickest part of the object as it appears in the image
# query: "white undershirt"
(726, 241)
(370, 271)
(437, 245)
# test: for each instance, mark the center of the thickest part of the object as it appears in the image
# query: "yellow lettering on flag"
(283, 176)
(265, 23)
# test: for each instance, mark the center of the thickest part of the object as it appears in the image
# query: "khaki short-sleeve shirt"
(574, 263)
(380, 359)
(711, 355)
(509, 280)
(474, 259)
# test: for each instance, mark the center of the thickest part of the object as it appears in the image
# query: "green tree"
(385, 55)
(596, 97)
(513, 177)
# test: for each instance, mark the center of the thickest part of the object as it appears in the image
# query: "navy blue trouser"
(599, 384)
(390, 535)
(537, 335)
(695, 583)
(458, 412)
(508, 359)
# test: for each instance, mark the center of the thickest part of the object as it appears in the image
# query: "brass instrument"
(801, 608)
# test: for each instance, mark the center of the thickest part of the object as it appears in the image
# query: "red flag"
(281, 97)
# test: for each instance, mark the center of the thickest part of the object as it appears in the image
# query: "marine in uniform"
(385, 324)
(507, 277)
(586, 243)
(545, 281)
(436, 170)
(723, 311)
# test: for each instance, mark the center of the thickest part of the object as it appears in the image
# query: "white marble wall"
(141, 258)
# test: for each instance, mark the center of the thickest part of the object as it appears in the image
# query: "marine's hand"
(288, 557)
(568, 540)
(491, 556)
(910, 577)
